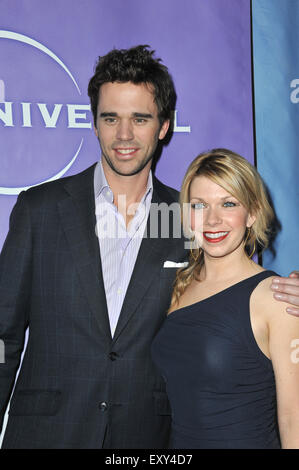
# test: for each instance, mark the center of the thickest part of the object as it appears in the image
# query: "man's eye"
(110, 120)
(140, 120)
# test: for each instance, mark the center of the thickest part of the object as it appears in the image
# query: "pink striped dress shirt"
(119, 246)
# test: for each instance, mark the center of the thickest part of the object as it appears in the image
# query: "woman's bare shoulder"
(263, 298)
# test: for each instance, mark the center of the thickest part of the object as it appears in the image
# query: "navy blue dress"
(220, 386)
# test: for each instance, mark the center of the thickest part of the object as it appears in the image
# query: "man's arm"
(287, 290)
(15, 282)
(283, 331)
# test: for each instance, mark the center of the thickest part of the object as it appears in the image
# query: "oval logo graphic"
(41, 122)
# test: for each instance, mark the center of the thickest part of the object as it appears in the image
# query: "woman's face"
(218, 219)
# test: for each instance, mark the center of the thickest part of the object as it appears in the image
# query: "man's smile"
(125, 151)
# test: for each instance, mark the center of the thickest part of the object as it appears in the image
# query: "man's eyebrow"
(143, 115)
(135, 115)
(106, 114)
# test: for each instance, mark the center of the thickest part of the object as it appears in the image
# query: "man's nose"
(125, 130)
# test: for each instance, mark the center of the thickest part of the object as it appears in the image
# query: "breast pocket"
(169, 273)
(167, 278)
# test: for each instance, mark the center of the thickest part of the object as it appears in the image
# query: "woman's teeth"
(215, 235)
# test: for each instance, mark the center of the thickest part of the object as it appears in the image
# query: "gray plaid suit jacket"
(78, 387)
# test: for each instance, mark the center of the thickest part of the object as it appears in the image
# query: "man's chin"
(128, 171)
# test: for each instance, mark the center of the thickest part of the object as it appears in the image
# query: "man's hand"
(287, 290)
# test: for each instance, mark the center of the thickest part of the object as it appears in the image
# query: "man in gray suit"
(94, 300)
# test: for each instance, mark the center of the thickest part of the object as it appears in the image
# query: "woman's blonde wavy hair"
(237, 176)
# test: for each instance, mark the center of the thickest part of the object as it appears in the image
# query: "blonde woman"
(226, 349)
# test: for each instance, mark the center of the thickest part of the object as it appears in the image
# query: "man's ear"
(164, 129)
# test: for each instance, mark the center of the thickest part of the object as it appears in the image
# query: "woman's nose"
(213, 217)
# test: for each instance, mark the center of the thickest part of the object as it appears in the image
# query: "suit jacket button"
(113, 356)
(103, 406)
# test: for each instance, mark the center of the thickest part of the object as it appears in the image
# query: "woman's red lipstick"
(212, 237)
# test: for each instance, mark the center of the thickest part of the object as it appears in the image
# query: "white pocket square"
(173, 264)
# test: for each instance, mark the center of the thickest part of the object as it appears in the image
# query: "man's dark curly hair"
(136, 65)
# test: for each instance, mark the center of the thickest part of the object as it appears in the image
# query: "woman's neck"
(234, 265)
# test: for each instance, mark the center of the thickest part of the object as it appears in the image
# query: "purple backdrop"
(205, 44)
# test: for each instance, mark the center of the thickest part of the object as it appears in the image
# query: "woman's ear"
(250, 220)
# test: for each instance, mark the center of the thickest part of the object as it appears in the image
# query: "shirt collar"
(101, 185)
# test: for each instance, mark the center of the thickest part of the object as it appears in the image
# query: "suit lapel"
(77, 212)
(149, 261)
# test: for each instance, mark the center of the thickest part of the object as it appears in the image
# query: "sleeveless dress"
(220, 386)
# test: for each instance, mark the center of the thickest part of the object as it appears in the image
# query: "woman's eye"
(197, 205)
(229, 204)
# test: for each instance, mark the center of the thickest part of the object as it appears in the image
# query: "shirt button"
(113, 356)
(119, 291)
(103, 406)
